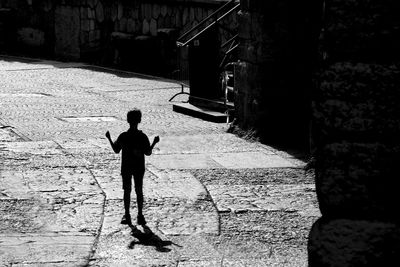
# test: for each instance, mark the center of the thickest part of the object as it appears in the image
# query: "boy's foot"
(126, 219)
(141, 220)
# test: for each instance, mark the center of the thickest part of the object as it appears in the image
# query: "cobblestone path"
(211, 198)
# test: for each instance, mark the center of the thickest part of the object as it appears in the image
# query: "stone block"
(357, 31)
(90, 3)
(77, 3)
(138, 26)
(153, 27)
(115, 36)
(348, 243)
(192, 15)
(88, 14)
(120, 10)
(92, 36)
(116, 26)
(366, 121)
(178, 20)
(145, 27)
(163, 10)
(169, 10)
(31, 37)
(359, 82)
(99, 13)
(358, 101)
(92, 24)
(174, 10)
(97, 34)
(85, 25)
(114, 12)
(161, 22)
(198, 12)
(84, 37)
(130, 27)
(358, 180)
(123, 24)
(147, 11)
(168, 22)
(167, 33)
(47, 5)
(156, 11)
(185, 16)
(135, 13)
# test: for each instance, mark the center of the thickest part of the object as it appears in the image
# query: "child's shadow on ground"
(148, 238)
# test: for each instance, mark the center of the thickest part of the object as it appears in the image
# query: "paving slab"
(251, 160)
(206, 144)
(289, 198)
(34, 147)
(7, 135)
(33, 249)
(183, 161)
(211, 198)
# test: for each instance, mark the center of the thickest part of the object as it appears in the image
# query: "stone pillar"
(356, 132)
(273, 77)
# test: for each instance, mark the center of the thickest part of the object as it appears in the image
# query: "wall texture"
(356, 133)
(273, 79)
(352, 81)
(104, 30)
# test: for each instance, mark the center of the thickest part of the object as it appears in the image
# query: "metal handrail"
(230, 40)
(209, 26)
(204, 21)
(231, 49)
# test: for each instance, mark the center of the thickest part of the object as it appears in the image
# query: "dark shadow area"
(148, 238)
(300, 150)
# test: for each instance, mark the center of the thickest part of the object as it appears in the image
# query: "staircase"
(211, 66)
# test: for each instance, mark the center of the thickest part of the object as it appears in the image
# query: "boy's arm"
(155, 141)
(116, 148)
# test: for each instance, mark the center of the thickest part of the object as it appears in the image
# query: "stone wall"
(272, 79)
(356, 133)
(91, 29)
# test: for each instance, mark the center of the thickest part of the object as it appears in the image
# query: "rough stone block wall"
(272, 80)
(356, 134)
(83, 29)
(30, 26)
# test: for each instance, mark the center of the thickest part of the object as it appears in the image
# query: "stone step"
(200, 112)
(212, 104)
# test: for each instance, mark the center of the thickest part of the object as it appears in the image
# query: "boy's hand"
(156, 139)
(108, 135)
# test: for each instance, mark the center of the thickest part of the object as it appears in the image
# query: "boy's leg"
(127, 186)
(138, 177)
(127, 201)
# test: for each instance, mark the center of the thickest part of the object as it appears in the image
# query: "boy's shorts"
(127, 179)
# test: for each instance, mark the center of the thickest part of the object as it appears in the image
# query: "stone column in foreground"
(356, 132)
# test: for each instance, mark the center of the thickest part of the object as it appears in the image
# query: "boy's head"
(134, 116)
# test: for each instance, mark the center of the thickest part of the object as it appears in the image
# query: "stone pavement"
(211, 198)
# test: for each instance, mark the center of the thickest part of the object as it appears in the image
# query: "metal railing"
(213, 16)
(203, 26)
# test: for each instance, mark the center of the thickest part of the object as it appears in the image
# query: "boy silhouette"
(134, 145)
